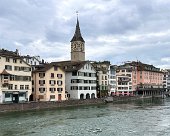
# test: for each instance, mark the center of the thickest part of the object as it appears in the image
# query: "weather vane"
(77, 13)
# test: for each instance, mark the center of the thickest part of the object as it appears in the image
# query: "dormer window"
(55, 68)
(7, 60)
(14, 60)
(65, 67)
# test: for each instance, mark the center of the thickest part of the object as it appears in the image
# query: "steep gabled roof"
(77, 35)
(6, 53)
(11, 54)
(70, 66)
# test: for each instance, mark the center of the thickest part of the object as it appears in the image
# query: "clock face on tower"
(77, 47)
(73, 47)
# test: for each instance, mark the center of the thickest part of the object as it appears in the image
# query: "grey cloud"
(53, 24)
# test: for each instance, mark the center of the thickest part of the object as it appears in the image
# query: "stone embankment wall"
(47, 105)
(68, 103)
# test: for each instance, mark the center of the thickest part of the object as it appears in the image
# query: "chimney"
(42, 61)
(17, 52)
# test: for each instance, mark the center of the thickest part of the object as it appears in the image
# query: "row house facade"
(32, 60)
(146, 79)
(15, 77)
(137, 78)
(124, 85)
(48, 83)
(102, 78)
(80, 79)
(166, 79)
(112, 80)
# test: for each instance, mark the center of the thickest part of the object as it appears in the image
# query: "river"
(139, 118)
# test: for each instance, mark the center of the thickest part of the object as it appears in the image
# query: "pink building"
(143, 79)
(146, 77)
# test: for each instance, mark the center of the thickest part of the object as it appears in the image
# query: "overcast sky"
(114, 30)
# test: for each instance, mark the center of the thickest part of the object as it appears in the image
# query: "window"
(85, 81)
(22, 94)
(74, 73)
(7, 95)
(52, 82)
(52, 90)
(59, 82)
(8, 67)
(27, 87)
(42, 90)
(22, 78)
(41, 82)
(7, 60)
(15, 87)
(16, 68)
(52, 96)
(5, 77)
(10, 86)
(80, 87)
(25, 69)
(41, 75)
(55, 68)
(93, 88)
(59, 89)
(74, 88)
(86, 88)
(59, 76)
(52, 75)
(102, 78)
(12, 77)
(21, 87)
(32, 82)
(14, 60)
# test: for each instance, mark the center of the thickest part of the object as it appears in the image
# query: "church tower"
(77, 45)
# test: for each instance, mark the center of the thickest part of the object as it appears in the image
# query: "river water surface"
(140, 118)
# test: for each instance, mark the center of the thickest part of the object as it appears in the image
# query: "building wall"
(150, 77)
(78, 56)
(45, 94)
(74, 88)
(15, 84)
(124, 81)
(32, 60)
(112, 80)
(102, 80)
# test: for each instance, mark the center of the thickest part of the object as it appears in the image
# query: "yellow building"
(48, 83)
(15, 77)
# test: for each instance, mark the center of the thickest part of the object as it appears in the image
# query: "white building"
(80, 79)
(124, 81)
(112, 79)
(15, 75)
(32, 60)
(166, 79)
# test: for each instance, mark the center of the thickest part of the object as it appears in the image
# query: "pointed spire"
(77, 35)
